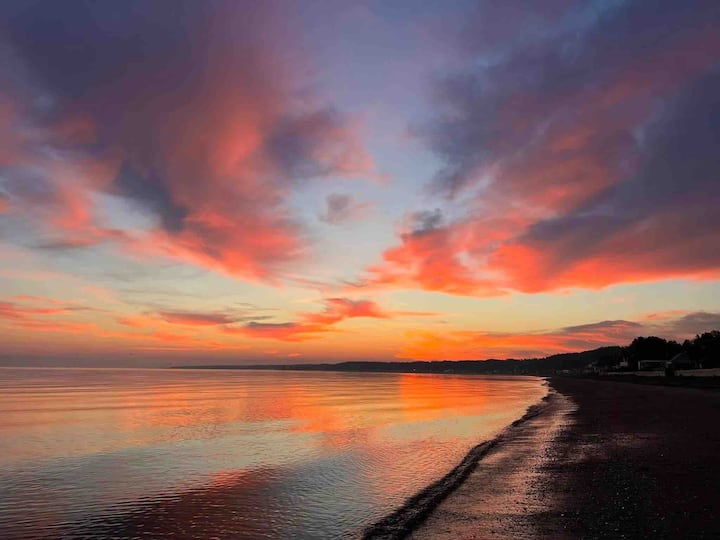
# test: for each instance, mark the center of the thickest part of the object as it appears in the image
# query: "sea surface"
(130, 453)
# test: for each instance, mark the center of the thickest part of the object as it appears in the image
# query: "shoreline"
(598, 459)
(406, 519)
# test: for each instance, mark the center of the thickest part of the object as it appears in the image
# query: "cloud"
(248, 322)
(151, 319)
(39, 300)
(195, 120)
(318, 143)
(342, 207)
(657, 224)
(310, 324)
(196, 319)
(430, 257)
(465, 345)
(425, 221)
(688, 324)
(339, 309)
(580, 149)
(43, 315)
(28, 307)
(287, 331)
(9, 310)
(48, 315)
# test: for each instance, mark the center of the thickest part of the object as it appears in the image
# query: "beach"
(602, 459)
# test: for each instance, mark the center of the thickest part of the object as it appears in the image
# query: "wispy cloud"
(310, 324)
(342, 207)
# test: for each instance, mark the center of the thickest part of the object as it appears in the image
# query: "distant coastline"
(533, 366)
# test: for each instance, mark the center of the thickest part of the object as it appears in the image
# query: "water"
(90, 453)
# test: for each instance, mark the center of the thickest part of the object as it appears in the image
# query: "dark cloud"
(312, 324)
(198, 318)
(496, 25)
(287, 331)
(602, 325)
(342, 207)
(27, 184)
(426, 221)
(668, 209)
(605, 65)
(270, 326)
(300, 145)
(153, 194)
(693, 323)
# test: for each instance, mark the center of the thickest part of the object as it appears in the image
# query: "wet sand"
(504, 496)
(602, 460)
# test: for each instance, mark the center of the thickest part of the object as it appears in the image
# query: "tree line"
(703, 349)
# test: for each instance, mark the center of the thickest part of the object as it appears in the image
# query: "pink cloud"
(210, 139)
(13, 310)
(339, 309)
(309, 324)
(431, 259)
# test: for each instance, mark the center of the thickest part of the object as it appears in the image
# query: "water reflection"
(216, 509)
(157, 453)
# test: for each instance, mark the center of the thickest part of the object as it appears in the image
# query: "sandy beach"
(602, 460)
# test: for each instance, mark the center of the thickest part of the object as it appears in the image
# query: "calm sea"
(91, 453)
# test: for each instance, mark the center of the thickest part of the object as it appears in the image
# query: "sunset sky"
(283, 182)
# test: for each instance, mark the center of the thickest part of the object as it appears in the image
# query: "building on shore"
(682, 361)
(652, 365)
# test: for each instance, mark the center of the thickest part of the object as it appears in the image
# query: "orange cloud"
(11, 310)
(338, 309)
(309, 325)
(287, 331)
(306, 326)
(467, 345)
(430, 259)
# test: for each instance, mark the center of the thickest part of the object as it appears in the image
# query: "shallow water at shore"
(163, 453)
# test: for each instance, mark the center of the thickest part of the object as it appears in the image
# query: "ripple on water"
(203, 454)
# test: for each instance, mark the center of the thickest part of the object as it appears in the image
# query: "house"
(623, 365)
(652, 365)
(682, 361)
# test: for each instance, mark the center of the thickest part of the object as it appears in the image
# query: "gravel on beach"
(604, 460)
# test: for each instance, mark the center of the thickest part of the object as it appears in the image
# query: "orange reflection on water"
(154, 407)
(163, 450)
(422, 398)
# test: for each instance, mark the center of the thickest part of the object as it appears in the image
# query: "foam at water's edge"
(413, 512)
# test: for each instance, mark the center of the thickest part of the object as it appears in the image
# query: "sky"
(283, 181)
